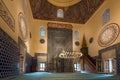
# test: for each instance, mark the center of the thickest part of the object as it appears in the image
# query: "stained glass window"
(23, 26)
(42, 32)
(60, 13)
(106, 16)
(76, 35)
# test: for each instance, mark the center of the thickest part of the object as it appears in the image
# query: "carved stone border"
(59, 25)
(117, 50)
(23, 26)
(40, 54)
(6, 15)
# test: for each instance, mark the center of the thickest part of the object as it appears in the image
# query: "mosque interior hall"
(59, 39)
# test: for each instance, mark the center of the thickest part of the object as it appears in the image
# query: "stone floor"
(64, 76)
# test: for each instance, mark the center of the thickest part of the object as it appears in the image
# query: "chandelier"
(70, 54)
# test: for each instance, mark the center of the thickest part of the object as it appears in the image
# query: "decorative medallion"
(91, 40)
(108, 34)
(23, 26)
(77, 43)
(42, 41)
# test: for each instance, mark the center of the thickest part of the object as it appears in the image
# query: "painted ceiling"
(78, 12)
(63, 3)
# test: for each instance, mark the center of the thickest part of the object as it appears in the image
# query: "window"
(106, 16)
(77, 66)
(109, 65)
(76, 35)
(30, 35)
(42, 66)
(60, 13)
(42, 32)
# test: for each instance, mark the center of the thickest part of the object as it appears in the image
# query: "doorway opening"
(77, 67)
(109, 65)
(42, 66)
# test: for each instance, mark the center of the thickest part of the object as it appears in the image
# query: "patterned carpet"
(64, 76)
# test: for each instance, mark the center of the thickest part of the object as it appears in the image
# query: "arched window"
(60, 13)
(106, 16)
(76, 34)
(42, 32)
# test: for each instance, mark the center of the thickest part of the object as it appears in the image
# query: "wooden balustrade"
(88, 64)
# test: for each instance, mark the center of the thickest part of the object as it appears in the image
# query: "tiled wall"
(28, 63)
(9, 56)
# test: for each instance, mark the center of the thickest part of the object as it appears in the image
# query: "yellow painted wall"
(90, 29)
(33, 25)
(37, 47)
(94, 25)
(11, 7)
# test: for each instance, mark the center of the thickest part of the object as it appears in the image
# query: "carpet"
(64, 76)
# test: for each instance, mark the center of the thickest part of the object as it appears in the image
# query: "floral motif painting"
(59, 25)
(108, 34)
(6, 15)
